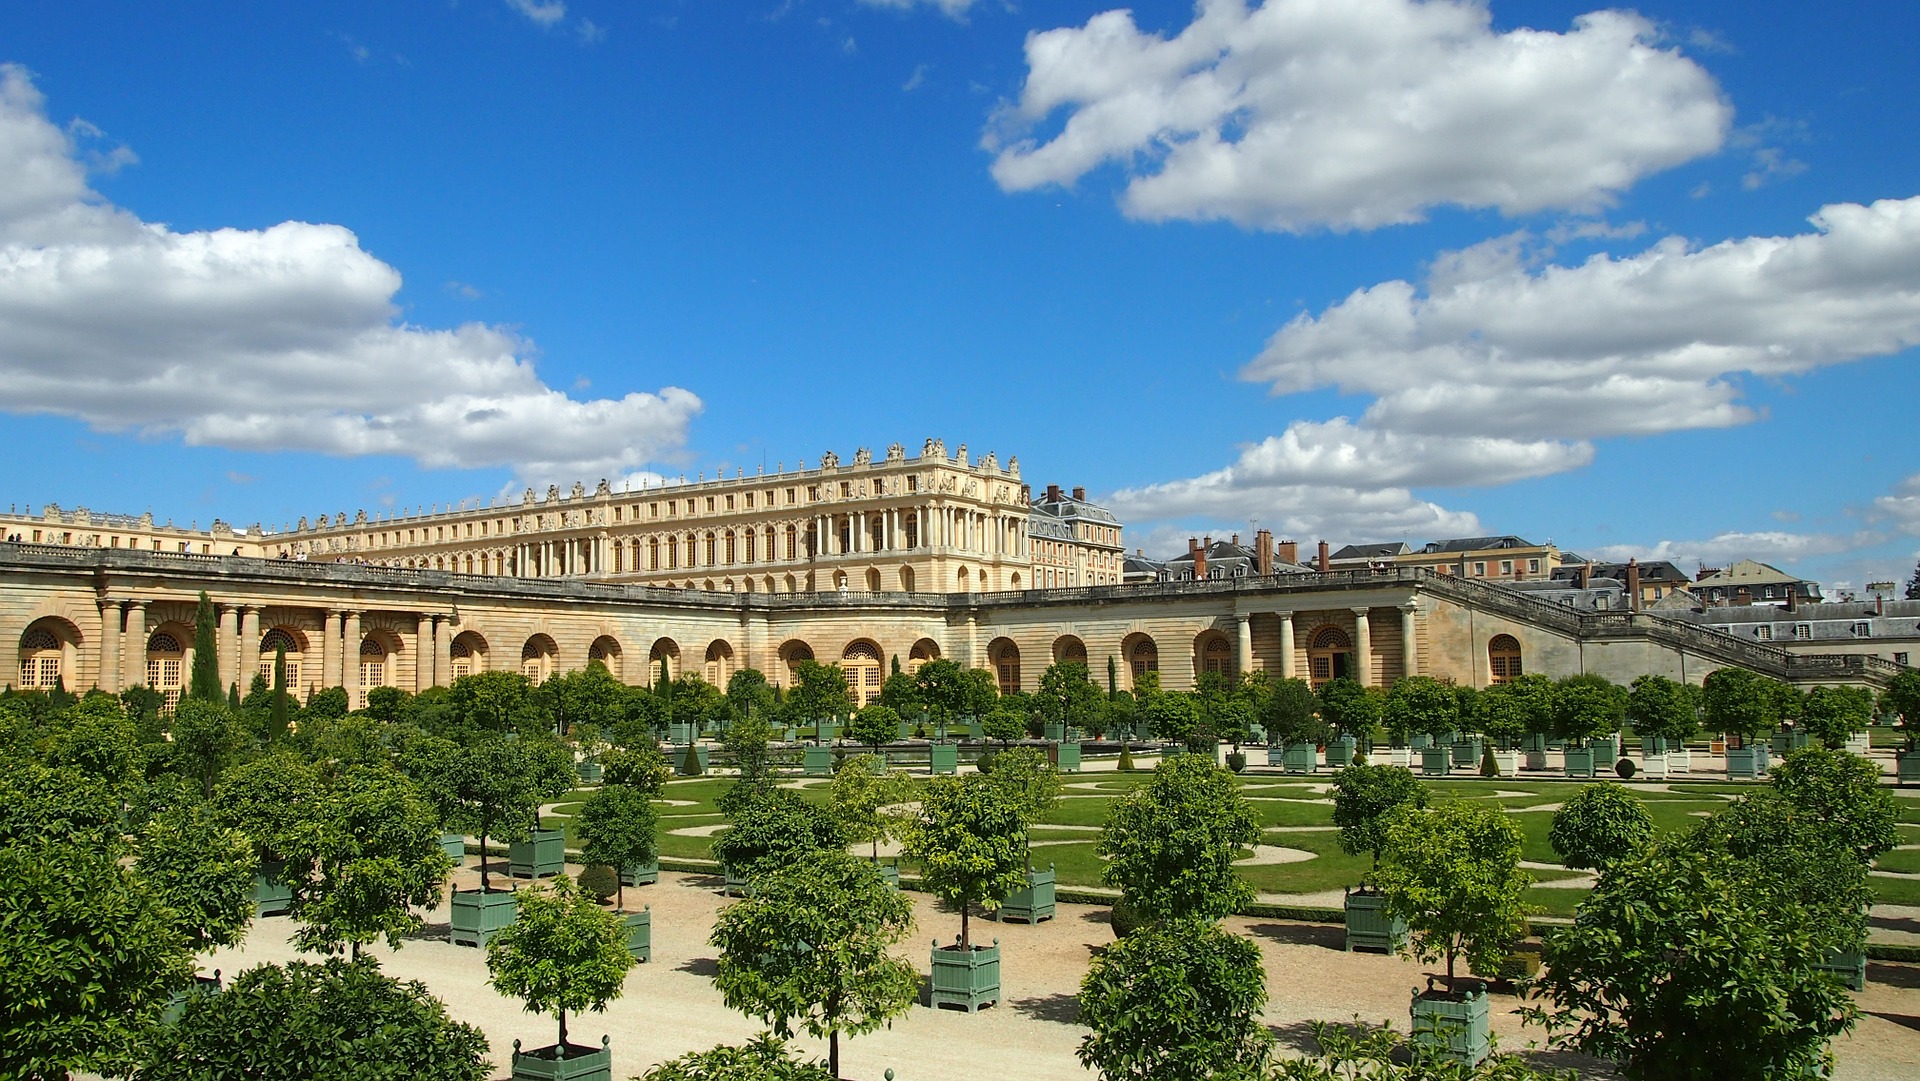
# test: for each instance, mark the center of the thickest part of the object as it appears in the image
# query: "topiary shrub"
(1125, 918)
(600, 881)
(1236, 761)
(1625, 768)
(1359, 758)
(985, 762)
(1488, 767)
(1126, 760)
(690, 763)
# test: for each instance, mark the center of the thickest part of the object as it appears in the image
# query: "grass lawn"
(1905, 860)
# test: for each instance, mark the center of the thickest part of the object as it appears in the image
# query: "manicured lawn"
(1906, 860)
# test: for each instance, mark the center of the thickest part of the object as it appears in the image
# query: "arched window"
(923, 651)
(164, 664)
(873, 580)
(1503, 658)
(271, 643)
(913, 531)
(653, 553)
(373, 663)
(791, 655)
(719, 662)
(1329, 655)
(606, 651)
(40, 657)
(1217, 656)
(1070, 650)
(1144, 657)
(1006, 664)
(861, 662)
(538, 657)
(906, 579)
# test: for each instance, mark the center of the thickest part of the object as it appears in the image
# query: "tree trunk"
(563, 1032)
(619, 890)
(964, 905)
(483, 859)
(833, 1054)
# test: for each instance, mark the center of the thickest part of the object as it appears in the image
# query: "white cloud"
(1647, 343)
(1726, 548)
(273, 339)
(953, 9)
(545, 14)
(1901, 507)
(1354, 114)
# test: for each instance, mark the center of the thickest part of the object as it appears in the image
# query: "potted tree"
(1664, 712)
(1187, 974)
(812, 950)
(1453, 873)
(1839, 796)
(486, 787)
(563, 954)
(864, 801)
(1586, 708)
(1836, 715)
(376, 863)
(1286, 715)
(1364, 798)
(617, 828)
(1348, 708)
(1740, 704)
(1902, 698)
(875, 726)
(1501, 711)
(1169, 845)
(970, 844)
(770, 832)
(1599, 826)
(272, 802)
(1033, 785)
(1467, 744)
(1425, 705)
(203, 874)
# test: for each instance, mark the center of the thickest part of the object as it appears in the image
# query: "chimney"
(1287, 551)
(1080, 495)
(1633, 584)
(1879, 604)
(1236, 540)
(1263, 553)
(1582, 575)
(1053, 493)
(1793, 598)
(1743, 596)
(1321, 563)
(1199, 554)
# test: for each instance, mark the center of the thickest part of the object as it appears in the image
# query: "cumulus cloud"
(1649, 343)
(1901, 507)
(545, 14)
(273, 339)
(1355, 114)
(1723, 549)
(953, 9)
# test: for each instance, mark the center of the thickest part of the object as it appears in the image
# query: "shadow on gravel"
(1303, 934)
(1895, 923)
(431, 931)
(700, 966)
(1893, 975)
(1904, 1020)
(1061, 1009)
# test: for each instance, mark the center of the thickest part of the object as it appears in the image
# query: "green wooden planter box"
(1276, 755)
(201, 987)
(967, 979)
(1606, 752)
(1298, 757)
(639, 929)
(1369, 926)
(906, 730)
(1847, 967)
(272, 896)
(974, 730)
(680, 732)
(477, 916)
(573, 1062)
(1033, 904)
(1340, 752)
(736, 883)
(1420, 741)
(889, 873)
(641, 874)
(1053, 733)
(1466, 752)
(793, 734)
(1907, 766)
(541, 855)
(1436, 761)
(589, 771)
(1653, 745)
(1064, 756)
(1579, 761)
(455, 846)
(1743, 763)
(828, 731)
(1452, 1025)
(818, 762)
(944, 758)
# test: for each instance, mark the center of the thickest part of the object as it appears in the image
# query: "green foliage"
(1421, 704)
(40, 805)
(1169, 845)
(1362, 1052)
(819, 690)
(1663, 708)
(1902, 697)
(775, 831)
(1740, 702)
(585, 696)
(202, 872)
(1003, 724)
(326, 704)
(487, 788)
(810, 949)
(1349, 707)
(88, 957)
(600, 881)
(938, 686)
(1125, 765)
(561, 953)
(1180, 999)
(375, 859)
(1586, 707)
(698, 703)
(1028, 779)
(1363, 799)
(1172, 717)
(1506, 712)
(763, 1058)
(875, 725)
(1488, 767)
(204, 683)
(1289, 711)
(498, 702)
(1831, 714)
(1675, 968)
(207, 738)
(862, 792)
(970, 842)
(690, 762)
(640, 768)
(1599, 826)
(337, 1019)
(618, 827)
(749, 695)
(901, 693)
(280, 711)
(274, 802)
(1841, 792)
(1453, 873)
(1067, 696)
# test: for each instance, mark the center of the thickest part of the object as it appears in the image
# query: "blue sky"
(1637, 281)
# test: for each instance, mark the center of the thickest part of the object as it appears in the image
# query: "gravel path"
(670, 1006)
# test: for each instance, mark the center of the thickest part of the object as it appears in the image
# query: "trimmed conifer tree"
(277, 720)
(205, 684)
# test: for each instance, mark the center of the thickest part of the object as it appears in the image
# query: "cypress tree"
(205, 684)
(233, 697)
(277, 719)
(1113, 678)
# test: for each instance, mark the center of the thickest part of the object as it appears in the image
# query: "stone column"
(1287, 667)
(423, 652)
(350, 661)
(229, 645)
(1245, 655)
(1409, 648)
(249, 651)
(330, 651)
(1363, 647)
(134, 657)
(443, 651)
(109, 646)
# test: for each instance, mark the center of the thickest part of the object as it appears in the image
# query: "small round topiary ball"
(600, 882)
